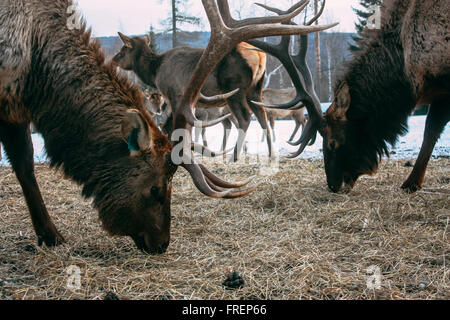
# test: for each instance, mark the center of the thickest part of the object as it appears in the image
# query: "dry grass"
(291, 239)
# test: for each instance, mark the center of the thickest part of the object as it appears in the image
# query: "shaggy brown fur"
(406, 63)
(58, 79)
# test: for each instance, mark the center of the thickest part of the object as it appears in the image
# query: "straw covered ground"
(290, 239)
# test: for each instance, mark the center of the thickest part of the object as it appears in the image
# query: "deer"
(404, 63)
(153, 102)
(94, 124)
(272, 96)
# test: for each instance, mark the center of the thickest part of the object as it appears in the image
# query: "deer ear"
(127, 41)
(136, 132)
(342, 100)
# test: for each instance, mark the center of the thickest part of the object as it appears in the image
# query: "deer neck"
(78, 103)
(147, 65)
(382, 96)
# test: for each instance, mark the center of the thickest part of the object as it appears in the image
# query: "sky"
(134, 17)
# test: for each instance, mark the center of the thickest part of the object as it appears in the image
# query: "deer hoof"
(411, 187)
(51, 239)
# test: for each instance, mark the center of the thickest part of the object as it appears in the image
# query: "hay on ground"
(290, 239)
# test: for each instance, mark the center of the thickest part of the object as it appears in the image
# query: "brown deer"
(405, 63)
(274, 96)
(94, 124)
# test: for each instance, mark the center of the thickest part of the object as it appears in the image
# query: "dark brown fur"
(82, 108)
(406, 63)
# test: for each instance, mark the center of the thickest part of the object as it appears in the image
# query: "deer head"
(153, 102)
(346, 155)
(132, 48)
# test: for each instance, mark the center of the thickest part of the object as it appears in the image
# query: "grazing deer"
(94, 124)
(405, 63)
(273, 96)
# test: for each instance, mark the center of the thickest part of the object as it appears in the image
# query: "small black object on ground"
(233, 281)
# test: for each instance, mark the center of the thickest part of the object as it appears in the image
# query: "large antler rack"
(300, 73)
(224, 37)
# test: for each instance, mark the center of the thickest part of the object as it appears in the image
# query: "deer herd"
(123, 146)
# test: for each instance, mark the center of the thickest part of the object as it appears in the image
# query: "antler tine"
(281, 12)
(317, 16)
(200, 181)
(267, 20)
(281, 52)
(221, 183)
(217, 99)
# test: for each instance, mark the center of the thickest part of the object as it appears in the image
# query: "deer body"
(274, 96)
(406, 63)
(82, 108)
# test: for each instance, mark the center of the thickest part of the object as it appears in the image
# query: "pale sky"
(134, 17)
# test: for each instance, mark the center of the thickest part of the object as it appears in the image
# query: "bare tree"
(317, 46)
(179, 17)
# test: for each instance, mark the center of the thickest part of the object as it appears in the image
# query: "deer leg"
(244, 123)
(205, 142)
(19, 149)
(438, 116)
(261, 115)
(272, 126)
(197, 132)
(226, 133)
(241, 112)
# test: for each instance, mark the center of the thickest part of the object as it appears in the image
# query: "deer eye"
(154, 192)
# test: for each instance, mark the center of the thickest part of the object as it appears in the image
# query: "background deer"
(274, 96)
(94, 123)
(153, 102)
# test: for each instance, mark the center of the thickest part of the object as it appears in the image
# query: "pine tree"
(152, 35)
(363, 15)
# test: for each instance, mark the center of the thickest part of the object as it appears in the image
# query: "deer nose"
(163, 248)
(332, 145)
(334, 189)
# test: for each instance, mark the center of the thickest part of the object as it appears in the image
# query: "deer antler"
(300, 74)
(223, 39)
